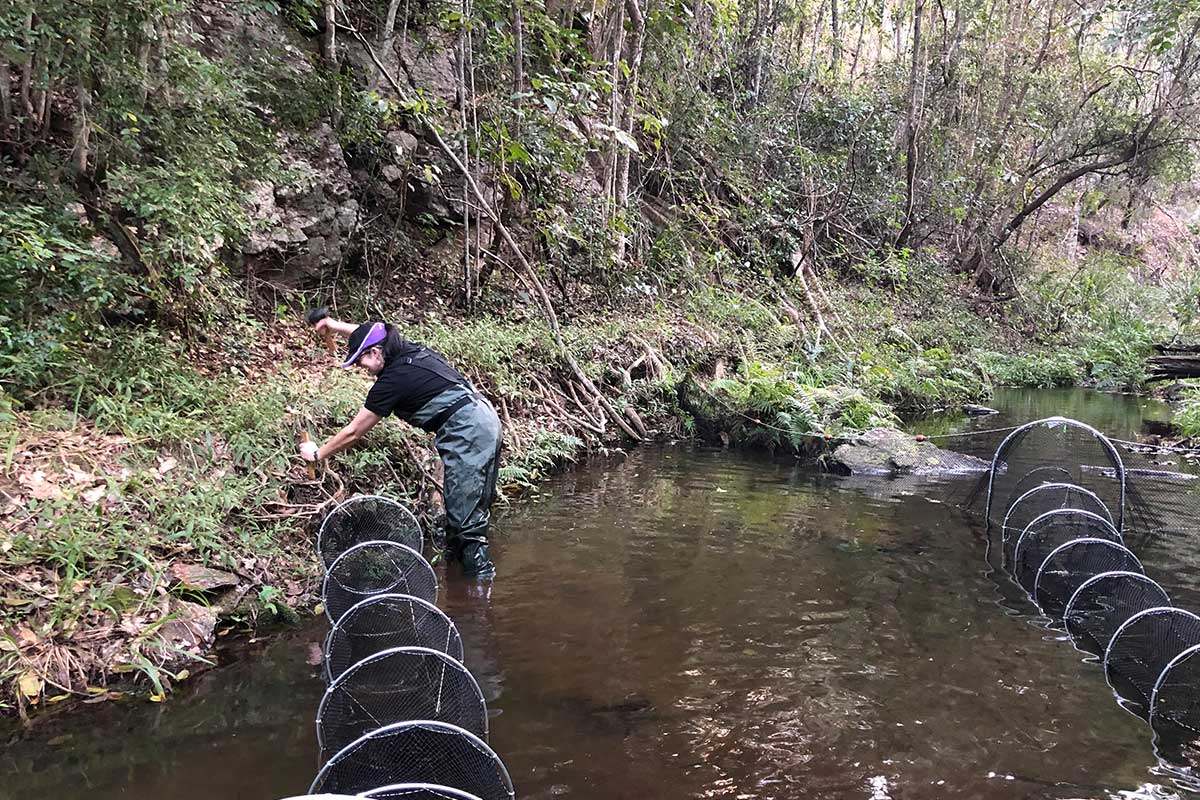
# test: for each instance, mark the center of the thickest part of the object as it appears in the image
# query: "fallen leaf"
(30, 684)
(11, 600)
(8, 645)
(157, 698)
(93, 496)
(166, 465)
(27, 637)
(182, 675)
(81, 477)
(315, 656)
(39, 487)
(58, 698)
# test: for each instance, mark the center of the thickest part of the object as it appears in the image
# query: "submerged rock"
(884, 451)
(973, 410)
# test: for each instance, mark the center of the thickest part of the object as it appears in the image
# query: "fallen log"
(1166, 367)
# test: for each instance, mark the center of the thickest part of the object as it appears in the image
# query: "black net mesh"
(401, 684)
(1049, 532)
(365, 519)
(373, 568)
(1175, 702)
(1071, 565)
(418, 791)
(1160, 502)
(1041, 500)
(1039, 476)
(1143, 646)
(426, 751)
(386, 621)
(1058, 447)
(1102, 603)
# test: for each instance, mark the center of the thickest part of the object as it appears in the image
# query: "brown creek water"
(688, 622)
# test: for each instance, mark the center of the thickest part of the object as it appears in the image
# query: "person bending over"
(420, 387)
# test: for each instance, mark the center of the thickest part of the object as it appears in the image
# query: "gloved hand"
(308, 451)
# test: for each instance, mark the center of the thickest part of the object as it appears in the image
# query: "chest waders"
(468, 439)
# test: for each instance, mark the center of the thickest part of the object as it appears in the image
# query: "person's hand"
(308, 451)
(322, 324)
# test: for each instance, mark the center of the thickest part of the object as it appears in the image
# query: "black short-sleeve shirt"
(403, 387)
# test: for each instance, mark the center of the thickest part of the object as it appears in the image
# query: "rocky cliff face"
(307, 221)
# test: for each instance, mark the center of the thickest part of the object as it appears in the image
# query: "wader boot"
(468, 440)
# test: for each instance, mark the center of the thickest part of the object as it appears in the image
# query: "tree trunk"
(6, 115)
(23, 94)
(83, 126)
(518, 27)
(862, 23)
(629, 113)
(915, 78)
(616, 48)
(835, 31)
(329, 52)
(389, 24)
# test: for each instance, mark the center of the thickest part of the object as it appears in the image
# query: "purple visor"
(375, 335)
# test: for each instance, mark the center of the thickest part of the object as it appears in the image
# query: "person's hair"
(393, 345)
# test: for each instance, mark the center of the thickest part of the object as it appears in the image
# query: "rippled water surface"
(687, 622)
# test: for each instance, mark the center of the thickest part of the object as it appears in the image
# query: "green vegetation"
(1187, 416)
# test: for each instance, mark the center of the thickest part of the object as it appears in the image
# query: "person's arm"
(358, 427)
(343, 329)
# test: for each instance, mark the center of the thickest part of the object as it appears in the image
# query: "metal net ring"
(1088, 456)
(1041, 500)
(420, 750)
(386, 621)
(1050, 530)
(418, 791)
(376, 567)
(1103, 602)
(1175, 701)
(1071, 564)
(1143, 647)
(366, 518)
(395, 685)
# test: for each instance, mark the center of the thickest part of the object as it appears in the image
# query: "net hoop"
(429, 574)
(398, 727)
(1107, 516)
(455, 639)
(1069, 611)
(1109, 674)
(402, 789)
(415, 543)
(451, 663)
(1189, 653)
(1086, 540)
(1119, 523)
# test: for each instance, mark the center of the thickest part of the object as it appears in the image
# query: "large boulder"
(884, 451)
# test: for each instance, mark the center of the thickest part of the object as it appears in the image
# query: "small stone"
(194, 576)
